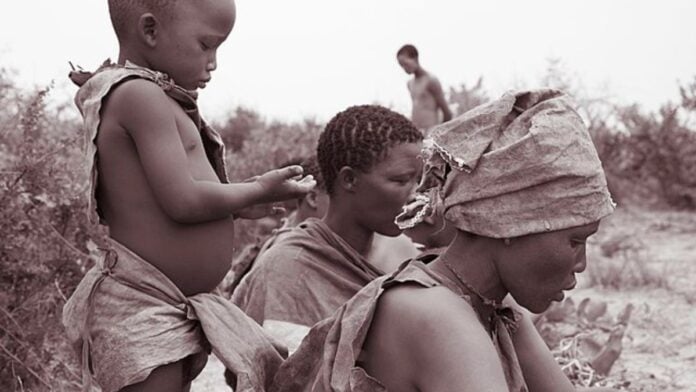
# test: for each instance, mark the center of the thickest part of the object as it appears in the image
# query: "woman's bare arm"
(540, 369)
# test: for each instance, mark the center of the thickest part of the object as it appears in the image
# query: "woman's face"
(537, 268)
(386, 187)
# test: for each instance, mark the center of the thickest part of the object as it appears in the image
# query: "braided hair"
(310, 166)
(360, 137)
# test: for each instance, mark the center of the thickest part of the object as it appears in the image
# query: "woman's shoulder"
(417, 301)
(420, 304)
(288, 244)
(426, 330)
(284, 257)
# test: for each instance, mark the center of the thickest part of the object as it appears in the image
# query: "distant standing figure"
(426, 92)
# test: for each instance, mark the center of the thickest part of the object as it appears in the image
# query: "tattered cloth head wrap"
(520, 165)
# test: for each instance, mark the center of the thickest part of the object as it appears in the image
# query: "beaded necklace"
(496, 309)
(486, 301)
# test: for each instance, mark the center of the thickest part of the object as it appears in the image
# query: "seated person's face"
(187, 46)
(537, 268)
(386, 187)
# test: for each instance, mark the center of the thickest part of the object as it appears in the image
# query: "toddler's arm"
(147, 114)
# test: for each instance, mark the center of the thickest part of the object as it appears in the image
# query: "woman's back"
(400, 332)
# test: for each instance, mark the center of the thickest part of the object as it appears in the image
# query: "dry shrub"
(650, 159)
(44, 236)
(623, 261)
(464, 98)
(586, 340)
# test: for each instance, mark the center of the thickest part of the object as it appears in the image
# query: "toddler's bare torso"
(194, 256)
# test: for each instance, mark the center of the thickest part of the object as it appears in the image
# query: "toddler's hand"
(283, 184)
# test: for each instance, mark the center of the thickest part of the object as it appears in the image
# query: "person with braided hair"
(369, 158)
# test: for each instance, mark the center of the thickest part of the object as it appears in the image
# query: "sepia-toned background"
(288, 66)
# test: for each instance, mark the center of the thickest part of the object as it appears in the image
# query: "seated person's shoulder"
(282, 246)
(280, 256)
(423, 311)
(431, 333)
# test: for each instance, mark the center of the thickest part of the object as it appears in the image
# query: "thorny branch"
(30, 370)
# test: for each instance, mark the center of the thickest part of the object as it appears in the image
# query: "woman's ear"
(148, 29)
(347, 179)
(311, 199)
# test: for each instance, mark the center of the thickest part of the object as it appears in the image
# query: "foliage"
(466, 98)
(238, 127)
(586, 340)
(44, 233)
(651, 158)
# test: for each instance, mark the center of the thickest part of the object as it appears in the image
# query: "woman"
(521, 181)
(369, 158)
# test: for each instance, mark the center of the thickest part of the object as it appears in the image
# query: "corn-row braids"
(360, 137)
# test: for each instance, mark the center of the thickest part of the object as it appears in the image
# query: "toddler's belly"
(195, 257)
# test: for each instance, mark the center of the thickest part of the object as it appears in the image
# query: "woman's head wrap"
(522, 164)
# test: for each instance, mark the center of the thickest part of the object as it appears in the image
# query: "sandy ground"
(660, 342)
(644, 258)
(211, 379)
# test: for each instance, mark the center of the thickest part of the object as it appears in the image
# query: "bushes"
(44, 236)
(650, 158)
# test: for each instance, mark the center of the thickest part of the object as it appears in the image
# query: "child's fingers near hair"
(289, 172)
(307, 183)
(298, 188)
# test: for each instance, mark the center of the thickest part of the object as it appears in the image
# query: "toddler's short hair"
(123, 12)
